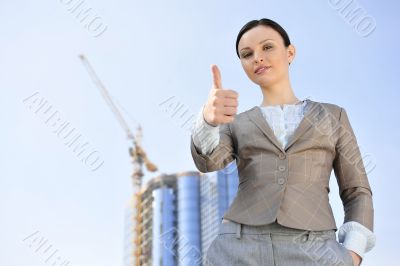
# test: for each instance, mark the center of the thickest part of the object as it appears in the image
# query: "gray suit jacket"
(291, 184)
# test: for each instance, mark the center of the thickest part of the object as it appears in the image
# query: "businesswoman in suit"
(281, 214)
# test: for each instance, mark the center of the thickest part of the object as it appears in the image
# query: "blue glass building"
(178, 216)
(189, 221)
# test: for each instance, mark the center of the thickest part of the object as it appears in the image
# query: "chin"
(263, 81)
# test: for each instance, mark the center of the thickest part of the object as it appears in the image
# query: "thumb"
(217, 84)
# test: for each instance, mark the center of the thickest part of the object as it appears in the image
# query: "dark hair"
(266, 22)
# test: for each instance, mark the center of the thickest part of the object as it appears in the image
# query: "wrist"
(204, 119)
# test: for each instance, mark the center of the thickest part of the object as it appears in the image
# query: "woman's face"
(262, 46)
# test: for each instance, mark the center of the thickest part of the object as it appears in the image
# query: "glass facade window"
(189, 237)
(163, 249)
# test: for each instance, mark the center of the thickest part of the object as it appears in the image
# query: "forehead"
(257, 34)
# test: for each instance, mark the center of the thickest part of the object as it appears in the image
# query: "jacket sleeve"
(354, 188)
(205, 136)
(211, 147)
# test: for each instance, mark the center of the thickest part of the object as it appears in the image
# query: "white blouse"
(283, 120)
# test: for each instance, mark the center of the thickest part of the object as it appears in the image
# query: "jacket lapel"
(311, 116)
(258, 118)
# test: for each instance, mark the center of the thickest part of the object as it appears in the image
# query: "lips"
(261, 69)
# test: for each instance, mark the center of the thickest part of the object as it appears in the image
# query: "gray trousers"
(274, 244)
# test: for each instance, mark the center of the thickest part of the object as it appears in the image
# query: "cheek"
(247, 68)
(279, 59)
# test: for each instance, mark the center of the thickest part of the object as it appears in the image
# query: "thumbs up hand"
(221, 106)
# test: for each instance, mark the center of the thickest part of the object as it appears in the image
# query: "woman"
(264, 226)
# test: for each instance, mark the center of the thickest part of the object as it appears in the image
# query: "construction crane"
(136, 152)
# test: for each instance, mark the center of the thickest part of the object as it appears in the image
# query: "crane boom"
(107, 97)
(137, 153)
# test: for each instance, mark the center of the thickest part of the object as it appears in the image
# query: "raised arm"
(211, 140)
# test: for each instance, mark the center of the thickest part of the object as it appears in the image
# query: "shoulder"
(246, 112)
(240, 117)
(330, 108)
(243, 119)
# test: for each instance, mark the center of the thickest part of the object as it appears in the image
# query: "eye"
(266, 47)
(244, 55)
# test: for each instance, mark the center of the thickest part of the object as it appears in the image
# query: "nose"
(258, 57)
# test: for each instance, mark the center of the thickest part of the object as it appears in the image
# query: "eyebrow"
(258, 43)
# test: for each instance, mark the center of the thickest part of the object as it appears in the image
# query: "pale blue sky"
(152, 51)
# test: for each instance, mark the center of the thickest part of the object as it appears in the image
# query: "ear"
(291, 53)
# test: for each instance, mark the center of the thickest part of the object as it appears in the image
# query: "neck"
(278, 93)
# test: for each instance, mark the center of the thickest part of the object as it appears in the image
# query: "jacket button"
(281, 180)
(282, 156)
(282, 168)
